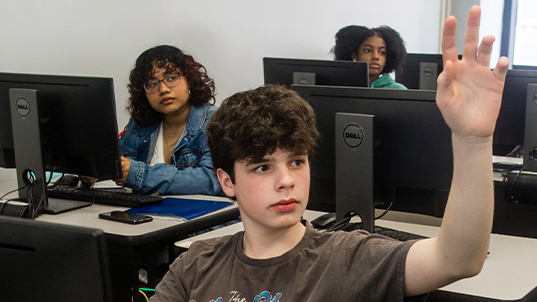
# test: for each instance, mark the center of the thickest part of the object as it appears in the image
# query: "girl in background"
(381, 47)
(164, 145)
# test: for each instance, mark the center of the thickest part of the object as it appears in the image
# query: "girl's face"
(174, 100)
(372, 51)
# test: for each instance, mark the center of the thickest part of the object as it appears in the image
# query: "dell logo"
(303, 81)
(353, 135)
(22, 106)
(428, 72)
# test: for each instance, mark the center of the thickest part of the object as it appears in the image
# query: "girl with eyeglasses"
(164, 145)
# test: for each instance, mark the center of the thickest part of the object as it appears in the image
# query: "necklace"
(174, 141)
(171, 138)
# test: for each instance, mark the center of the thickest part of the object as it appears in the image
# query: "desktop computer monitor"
(509, 132)
(281, 71)
(413, 160)
(52, 262)
(57, 123)
(420, 70)
(510, 126)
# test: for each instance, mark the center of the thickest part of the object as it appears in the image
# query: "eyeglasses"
(170, 80)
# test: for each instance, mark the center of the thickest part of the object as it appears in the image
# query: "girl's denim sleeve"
(169, 180)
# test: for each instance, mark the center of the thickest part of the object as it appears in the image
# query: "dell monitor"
(52, 262)
(56, 123)
(420, 70)
(510, 126)
(281, 71)
(412, 152)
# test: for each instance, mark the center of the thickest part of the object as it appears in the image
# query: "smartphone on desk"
(125, 217)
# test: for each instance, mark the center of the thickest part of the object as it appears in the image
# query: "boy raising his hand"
(261, 142)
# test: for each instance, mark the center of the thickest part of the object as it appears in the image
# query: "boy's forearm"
(466, 227)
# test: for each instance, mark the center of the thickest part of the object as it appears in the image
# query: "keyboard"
(108, 197)
(392, 233)
(397, 234)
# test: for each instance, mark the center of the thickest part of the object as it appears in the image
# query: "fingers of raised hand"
(471, 37)
(501, 68)
(449, 49)
(485, 50)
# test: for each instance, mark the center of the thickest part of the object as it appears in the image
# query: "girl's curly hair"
(349, 39)
(169, 58)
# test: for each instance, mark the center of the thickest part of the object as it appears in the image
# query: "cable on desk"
(33, 212)
(143, 294)
(510, 194)
(2, 208)
(147, 289)
(12, 191)
(345, 221)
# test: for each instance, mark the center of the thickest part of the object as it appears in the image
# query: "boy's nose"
(285, 180)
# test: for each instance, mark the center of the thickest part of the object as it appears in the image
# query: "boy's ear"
(225, 182)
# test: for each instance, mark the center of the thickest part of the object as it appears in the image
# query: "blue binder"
(182, 207)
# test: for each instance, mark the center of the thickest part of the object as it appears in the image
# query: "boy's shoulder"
(213, 244)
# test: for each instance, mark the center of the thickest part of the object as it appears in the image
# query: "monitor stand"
(354, 167)
(428, 75)
(25, 121)
(303, 78)
(59, 205)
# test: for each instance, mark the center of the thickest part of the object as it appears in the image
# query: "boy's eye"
(261, 169)
(297, 162)
(382, 52)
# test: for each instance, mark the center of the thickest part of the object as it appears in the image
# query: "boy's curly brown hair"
(253, 123)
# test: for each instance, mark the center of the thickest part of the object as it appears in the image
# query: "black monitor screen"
(420, 70)
(52, 262)
(510, 127)
(315, 72)
(77, 123)
(412, 150)
(413, 71)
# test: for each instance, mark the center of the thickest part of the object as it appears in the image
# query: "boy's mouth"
(285, 205)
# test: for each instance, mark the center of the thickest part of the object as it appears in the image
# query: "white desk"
(128, 245)
(509, 273)
(89, 216)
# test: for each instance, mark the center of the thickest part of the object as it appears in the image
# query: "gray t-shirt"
(339, 266)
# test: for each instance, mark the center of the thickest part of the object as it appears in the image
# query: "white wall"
(104, 37)
(491, 22)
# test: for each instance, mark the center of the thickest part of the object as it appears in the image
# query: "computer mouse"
(68, 180)
(324, 221)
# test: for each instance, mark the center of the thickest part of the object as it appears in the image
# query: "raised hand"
(469, 93)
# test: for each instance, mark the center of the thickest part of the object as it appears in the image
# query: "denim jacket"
(191, 170)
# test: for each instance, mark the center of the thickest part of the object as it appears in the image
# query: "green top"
(386, 81)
